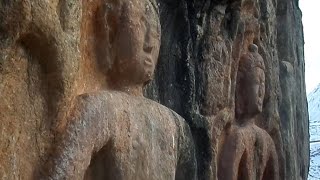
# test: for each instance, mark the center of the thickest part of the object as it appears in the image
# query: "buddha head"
(128, 36)
(250, 89)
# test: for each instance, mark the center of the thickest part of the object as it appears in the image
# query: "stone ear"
(105, 29)
(239, 100)
(110, 19)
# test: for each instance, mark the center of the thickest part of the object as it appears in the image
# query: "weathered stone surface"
(123, 137)
(46, 59)
(38, 62)
(115, 133)
(247, 151)
(201, 45)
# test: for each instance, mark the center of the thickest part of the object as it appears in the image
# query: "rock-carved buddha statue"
(117, 133)
(249, 152)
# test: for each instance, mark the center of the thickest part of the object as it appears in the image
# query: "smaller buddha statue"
(249, 152)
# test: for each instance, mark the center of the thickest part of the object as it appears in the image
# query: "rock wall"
(201, 46)
(46, 60)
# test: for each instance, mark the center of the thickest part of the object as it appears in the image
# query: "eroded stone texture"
(248, 151)
(38, 62)
(129, 137)
(201, 45)
(47, 52)
(117, 133)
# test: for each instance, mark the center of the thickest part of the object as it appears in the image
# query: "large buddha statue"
(117, 133)
(249, 152)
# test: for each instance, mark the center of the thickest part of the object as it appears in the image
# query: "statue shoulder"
(97, 97)
(94, 101)
(180, 122)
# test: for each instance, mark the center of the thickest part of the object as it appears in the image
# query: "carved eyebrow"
(144, 17)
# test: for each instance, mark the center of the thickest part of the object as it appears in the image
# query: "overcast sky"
(311, 22)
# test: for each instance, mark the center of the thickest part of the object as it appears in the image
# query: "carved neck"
(134, 90)
(246, 120)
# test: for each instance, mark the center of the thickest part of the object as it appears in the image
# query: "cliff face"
(201, 46)
(45, 58)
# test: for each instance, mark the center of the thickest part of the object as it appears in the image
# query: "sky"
(311, 26)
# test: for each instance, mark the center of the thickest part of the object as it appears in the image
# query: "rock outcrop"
(46, 59)
(196, 75)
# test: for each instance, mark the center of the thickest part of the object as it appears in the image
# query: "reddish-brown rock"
(47, 52)
(248, 152)
(115, 133)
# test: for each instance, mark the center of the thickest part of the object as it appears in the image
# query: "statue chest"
(143, 146)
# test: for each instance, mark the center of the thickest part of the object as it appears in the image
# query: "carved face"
(250, 89)
(137, 42)
(256, 91)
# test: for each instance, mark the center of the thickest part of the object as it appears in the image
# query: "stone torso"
(256, 148)
(143, 139)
